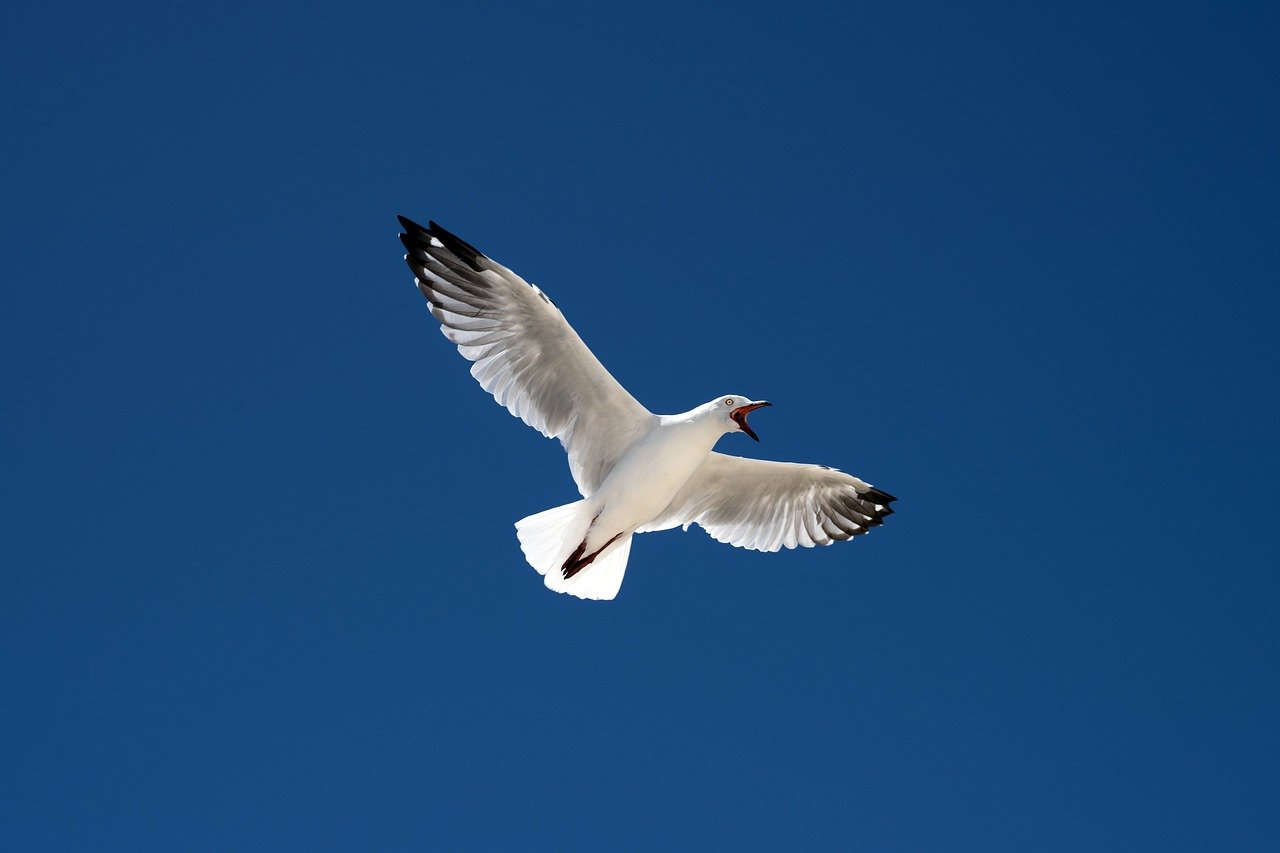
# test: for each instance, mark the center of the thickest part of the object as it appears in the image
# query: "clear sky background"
(1015, 265)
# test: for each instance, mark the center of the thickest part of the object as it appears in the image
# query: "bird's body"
(653, 470)
(647, 477)
(636, 471)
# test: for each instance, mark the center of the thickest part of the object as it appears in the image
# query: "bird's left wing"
(526, 354)
(764, 506)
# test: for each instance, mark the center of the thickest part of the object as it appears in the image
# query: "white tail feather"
(549, 537)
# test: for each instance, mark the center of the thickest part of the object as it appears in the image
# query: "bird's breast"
(648, 476)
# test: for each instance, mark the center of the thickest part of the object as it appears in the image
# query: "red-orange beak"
(739, 416)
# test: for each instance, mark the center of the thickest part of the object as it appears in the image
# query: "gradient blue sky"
(1015, 265)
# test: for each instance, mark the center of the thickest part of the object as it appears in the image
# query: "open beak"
(739, 415)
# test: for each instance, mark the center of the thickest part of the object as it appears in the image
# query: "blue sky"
(1014, 265)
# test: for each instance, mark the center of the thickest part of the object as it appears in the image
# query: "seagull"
(637, 472)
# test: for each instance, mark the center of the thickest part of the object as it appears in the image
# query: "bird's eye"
(728, 401)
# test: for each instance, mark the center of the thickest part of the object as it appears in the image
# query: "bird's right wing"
(764, 506)
(526, 354)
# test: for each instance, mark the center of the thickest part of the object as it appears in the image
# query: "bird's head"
(732, 410)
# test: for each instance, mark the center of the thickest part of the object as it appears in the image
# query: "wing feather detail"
(767, 506)
(525, 353)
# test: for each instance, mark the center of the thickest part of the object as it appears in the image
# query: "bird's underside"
(637, 472)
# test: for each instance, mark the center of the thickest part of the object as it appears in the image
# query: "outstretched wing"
(526, 354)
(764, 506)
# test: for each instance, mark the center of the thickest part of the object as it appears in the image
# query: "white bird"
(637, 471)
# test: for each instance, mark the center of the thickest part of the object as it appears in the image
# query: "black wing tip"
(464, 250)
(415, 235)
(860, 510)
(408, 224)
(877, 496)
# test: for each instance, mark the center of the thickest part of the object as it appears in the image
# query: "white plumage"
(637, 471)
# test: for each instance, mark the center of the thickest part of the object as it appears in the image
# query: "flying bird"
(637, 472)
